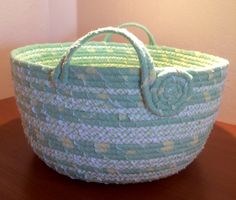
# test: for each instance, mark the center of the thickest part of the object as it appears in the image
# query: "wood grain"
(23, 176)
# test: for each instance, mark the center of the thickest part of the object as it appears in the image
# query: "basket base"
(112, 177)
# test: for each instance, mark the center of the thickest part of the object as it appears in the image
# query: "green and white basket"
(114, 112)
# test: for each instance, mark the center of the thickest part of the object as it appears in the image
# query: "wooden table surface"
(24, 176)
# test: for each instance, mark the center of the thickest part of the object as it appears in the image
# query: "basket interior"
(102, 54)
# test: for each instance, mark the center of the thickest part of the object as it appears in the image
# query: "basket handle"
(146, 61)
(151, 39)
(152, 83)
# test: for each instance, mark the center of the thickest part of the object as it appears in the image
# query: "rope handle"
(165, 91)
(146, 62)
(151, 39)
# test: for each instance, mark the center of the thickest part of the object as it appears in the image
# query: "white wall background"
(28, 21)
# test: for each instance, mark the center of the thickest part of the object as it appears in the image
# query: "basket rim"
(219, 61)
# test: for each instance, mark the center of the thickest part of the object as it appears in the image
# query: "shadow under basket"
(115, 112)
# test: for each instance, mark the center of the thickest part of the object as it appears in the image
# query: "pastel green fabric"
(175, 84)
(139, 26)
(117, 112)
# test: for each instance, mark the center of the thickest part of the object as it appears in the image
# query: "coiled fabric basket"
(116, 112)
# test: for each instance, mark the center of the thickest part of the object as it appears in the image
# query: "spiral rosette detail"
(170, 92)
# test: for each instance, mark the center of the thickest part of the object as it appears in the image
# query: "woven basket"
(116, 112)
